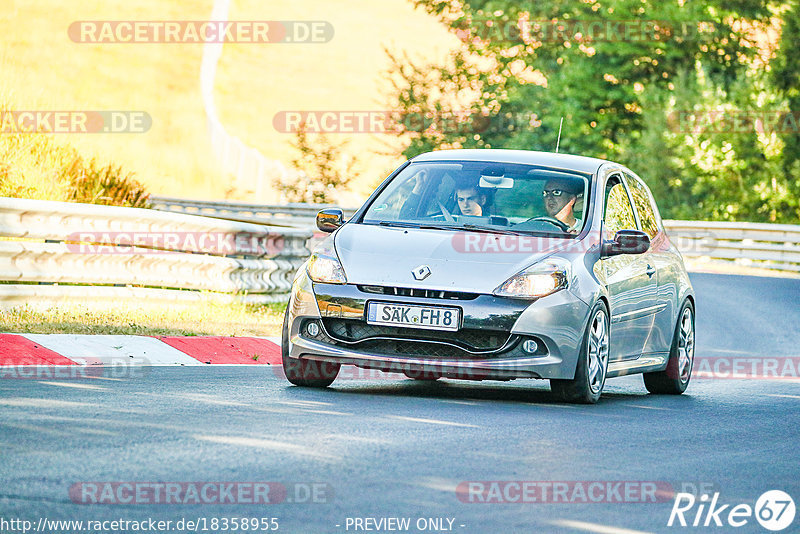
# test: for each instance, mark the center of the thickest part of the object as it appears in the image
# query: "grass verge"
(35, 165)
(207, 320)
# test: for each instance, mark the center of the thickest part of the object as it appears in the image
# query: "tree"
(786, 77)
(321, 167)
(524, 66)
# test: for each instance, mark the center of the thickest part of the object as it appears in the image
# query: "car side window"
(619, 213)
(641, 199)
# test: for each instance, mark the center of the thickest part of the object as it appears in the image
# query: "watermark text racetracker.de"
(579, 30)
(688, 242)
(167, 242)
(85, 368)
(192, 31)
(395, 122)
(73, 121)
(421, 369)
(732, 121)
(704, 367)
(747, 367)
(200, 492)
(563, 492)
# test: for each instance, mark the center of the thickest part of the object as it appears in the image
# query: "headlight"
(324, 266)
(538, 280)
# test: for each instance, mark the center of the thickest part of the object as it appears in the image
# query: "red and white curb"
(71, 349)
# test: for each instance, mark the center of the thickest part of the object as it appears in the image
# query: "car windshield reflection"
(483, 197)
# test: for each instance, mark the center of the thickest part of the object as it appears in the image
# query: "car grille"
(468, 338)
(422, 293)
(418, 349)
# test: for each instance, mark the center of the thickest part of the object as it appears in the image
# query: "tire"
(592, 368)
(675, 378)
(306, 373)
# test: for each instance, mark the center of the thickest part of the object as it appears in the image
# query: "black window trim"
(656, 213)
(620, 175)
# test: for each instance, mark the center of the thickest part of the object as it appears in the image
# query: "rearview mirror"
(627, 242)
(328, 220)
(496, 182)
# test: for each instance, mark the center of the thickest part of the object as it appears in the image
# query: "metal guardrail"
(295, 215)
(89, 247)
(53, 251)
(773, 246)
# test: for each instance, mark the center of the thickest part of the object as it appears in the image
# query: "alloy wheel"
(598, 351)
(686, 345)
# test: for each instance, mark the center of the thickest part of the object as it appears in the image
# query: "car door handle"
(650, 271)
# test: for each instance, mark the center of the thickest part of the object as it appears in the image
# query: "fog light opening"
(312, 329)
(530, 346)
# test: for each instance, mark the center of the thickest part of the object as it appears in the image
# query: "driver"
(559, 196)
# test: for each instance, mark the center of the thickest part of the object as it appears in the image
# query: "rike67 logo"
(774, 510)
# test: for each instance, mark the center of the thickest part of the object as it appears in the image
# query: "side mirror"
(328, 220)
(627, 242)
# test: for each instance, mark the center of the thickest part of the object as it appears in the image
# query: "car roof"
(528, 157)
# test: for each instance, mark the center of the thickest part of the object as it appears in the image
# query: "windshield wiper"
(490, 230)
(469, 227)
(414, 225)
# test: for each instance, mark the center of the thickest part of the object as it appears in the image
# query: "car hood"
(458, 260)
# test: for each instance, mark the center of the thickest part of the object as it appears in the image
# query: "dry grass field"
(42, 69)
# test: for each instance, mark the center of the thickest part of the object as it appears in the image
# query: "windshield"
(472, 195)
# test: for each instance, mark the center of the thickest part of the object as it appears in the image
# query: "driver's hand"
(420, 180)
(566, 210)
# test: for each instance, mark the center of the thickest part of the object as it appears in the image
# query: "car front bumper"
(499, 326)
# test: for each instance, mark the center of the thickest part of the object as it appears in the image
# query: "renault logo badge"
(422, 272)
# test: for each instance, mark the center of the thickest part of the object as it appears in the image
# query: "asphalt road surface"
(378, 448)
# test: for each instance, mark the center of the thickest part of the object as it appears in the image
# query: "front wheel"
(675, 378)
(308, 373)
(590, 373)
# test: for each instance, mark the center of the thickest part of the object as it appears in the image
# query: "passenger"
(469, 198)
(470, 201)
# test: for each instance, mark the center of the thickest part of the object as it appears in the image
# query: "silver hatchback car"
(497, 265)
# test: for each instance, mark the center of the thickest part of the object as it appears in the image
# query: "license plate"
(430, 317)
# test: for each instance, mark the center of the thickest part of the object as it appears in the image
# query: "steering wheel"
(562, 226)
